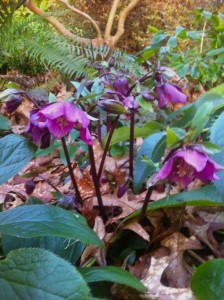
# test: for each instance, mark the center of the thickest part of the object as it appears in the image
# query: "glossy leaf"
(4, 123)
(206, 196)
(217, 138)
(38, 274)
(112, 274)
(207, 281)
(143, 170)
(45, 220)
(15, 153)
(123, 134)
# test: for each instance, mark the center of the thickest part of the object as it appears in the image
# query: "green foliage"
(196, 55)
(7, 9)
(37, 273)
(42, 220)
(15, 153)
(207, 281)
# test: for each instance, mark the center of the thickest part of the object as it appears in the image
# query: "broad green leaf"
(207, 281)
(200, 119)
(172, 41)
(112, 274)
(158, 38)
(38, 274)
(217, 138)
(174, 135)
(123, 134)
(215, 52)
(143, 170)
(4, 123)
(15, 153)
(45, 220)
(69, 249)
(195, 35)
(206, 196)
(52, 98)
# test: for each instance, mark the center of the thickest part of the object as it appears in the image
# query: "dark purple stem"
(77, 193)
(99, 129)
(96, 183)
(131, 153)
(29, 98)
(146, 202)
(107, 146)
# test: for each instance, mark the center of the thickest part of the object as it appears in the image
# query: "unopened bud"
(12, 103)
(29, 187)
(112, 106)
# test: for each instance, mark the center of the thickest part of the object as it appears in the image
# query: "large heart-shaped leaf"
(207, 281)
(38, 274)
(15, 153)
(44, 220)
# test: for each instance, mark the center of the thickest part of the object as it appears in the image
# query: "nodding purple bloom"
(62, 117)
(187, 164)
(129, 102)
(12, 103)
(38, 130)
(168, 92)
(121, 86)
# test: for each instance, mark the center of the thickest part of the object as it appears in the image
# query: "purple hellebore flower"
(187, 164)
(121, 86)
(38, 130)
(168, 92)
(129, 102)
(62, 117)
(12, 103)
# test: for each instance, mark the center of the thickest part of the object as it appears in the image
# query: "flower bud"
(112, 106)
(12, 103)
(29, 187)
(121, 190)
(112, 62)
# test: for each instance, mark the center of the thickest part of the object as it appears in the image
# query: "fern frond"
(7, 9)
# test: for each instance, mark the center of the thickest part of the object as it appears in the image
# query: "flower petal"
(86, 136)
(193, 158)
(52, 110)
(165, 170)
(57, 130)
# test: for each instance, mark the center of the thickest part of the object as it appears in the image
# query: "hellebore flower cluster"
(187, 164)
(167, 92)
(58, 119)
(118, 98)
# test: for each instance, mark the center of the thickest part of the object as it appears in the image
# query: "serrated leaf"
(69, 249)
(112, 274)
(4, 123)
(123, 134)
(45, 220)
(38, 274)
(207, 281)
(143, 170)
(15, 153)
(206, 196)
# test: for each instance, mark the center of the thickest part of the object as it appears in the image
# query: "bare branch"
(56, 24)
(122, 19)
(107, 34)
(86, 16)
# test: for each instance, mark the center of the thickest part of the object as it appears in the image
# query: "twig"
(77, 193)
(96, 183)
(107, 146)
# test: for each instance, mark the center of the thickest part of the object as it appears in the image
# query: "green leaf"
(206, 196)
(69, 249)
(172, 41)
(38, 274)
(207, 281)
(4, 123)
(45, 220)
(200, 119)
(52, 98)
(215, 52)
(15, 153)
(217, 138)
(195, 35)
(112, 274)
(158, 39)
(123, 134)
(174, 135)
(146, 104)
(143, 170)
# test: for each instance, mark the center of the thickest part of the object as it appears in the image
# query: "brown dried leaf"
(133, 225)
